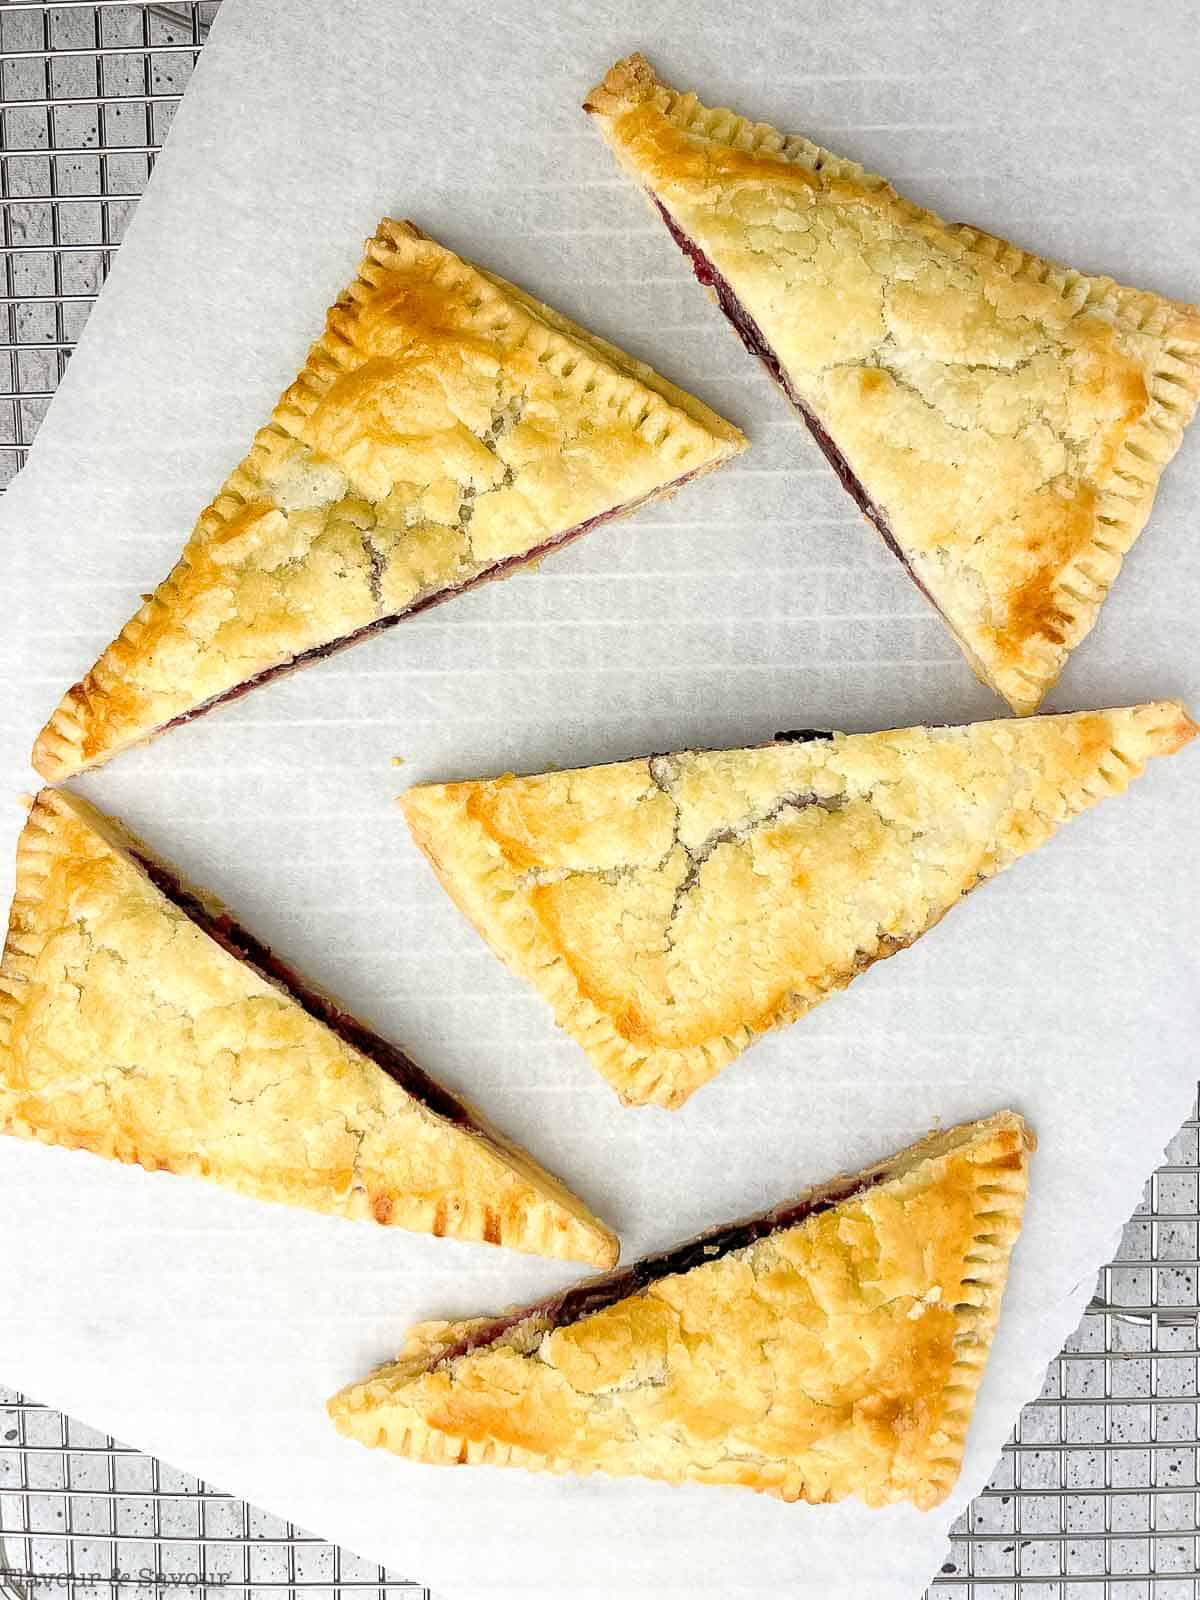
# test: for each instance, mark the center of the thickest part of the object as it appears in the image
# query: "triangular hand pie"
(446, 428)
(673, 908)
(828, 1348)
(1001, 420)
(139, 1021)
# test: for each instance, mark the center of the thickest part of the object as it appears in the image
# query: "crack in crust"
(834, 1354)
(672, 909)
(735, 833)
(445, 429)
(1003, 421)
(140, 1022)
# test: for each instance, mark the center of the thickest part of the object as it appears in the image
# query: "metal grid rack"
(77, 1509)
(1096, 1496)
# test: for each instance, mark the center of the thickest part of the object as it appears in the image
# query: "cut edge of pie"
(432, 1403)
(1080, 586)
(552, 1222)
(102, 715)
(448, 823)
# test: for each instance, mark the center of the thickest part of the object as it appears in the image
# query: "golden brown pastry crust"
(671, 909)
(126, 1030)
(445, 427)
(838, 1357)
(1009, 417)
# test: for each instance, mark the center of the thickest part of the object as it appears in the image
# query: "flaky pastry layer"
(672, 909)
(129, 1029)
(1003, 421)
(446, 427)
(838, 1357)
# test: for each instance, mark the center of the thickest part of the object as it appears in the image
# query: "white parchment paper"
(209, 1329)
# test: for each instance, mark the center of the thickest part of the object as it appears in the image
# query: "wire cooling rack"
(1096, 1496)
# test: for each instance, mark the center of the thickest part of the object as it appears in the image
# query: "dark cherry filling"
(802, 735)
(596, 1294)
(318, 652)
(231, 936)
(752, 337)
